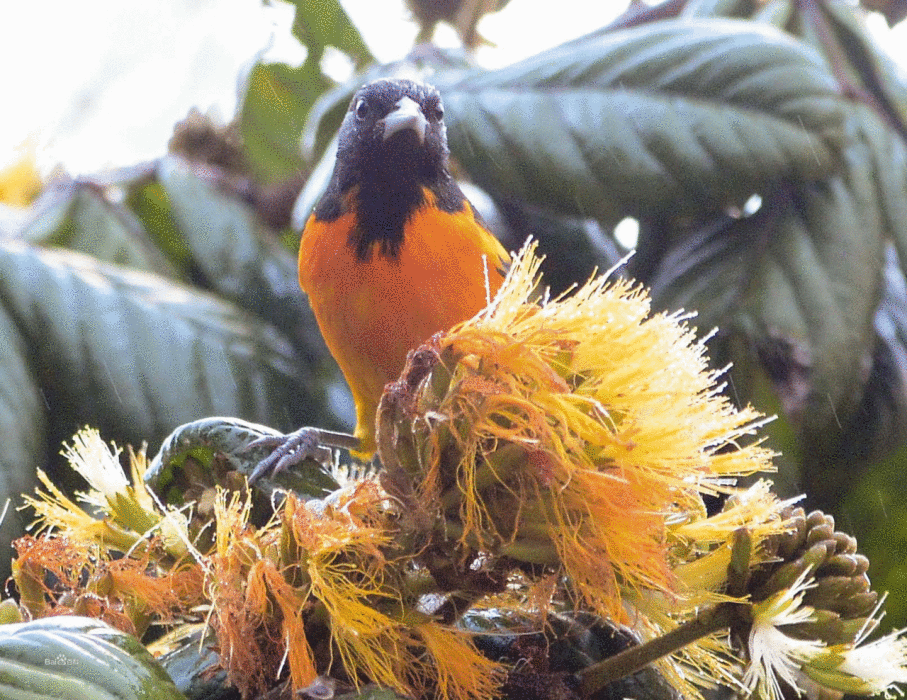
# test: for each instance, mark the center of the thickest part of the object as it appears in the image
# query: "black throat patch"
(387, 177)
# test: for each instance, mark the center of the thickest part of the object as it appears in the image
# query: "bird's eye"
(361, 109)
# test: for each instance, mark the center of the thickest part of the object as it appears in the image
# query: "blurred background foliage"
(759, 145)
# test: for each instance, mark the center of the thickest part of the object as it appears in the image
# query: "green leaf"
(878, 72)
(801, 281)
(326, 116)
(709, 270)
(240, 257)
(82, 216)
(889, 154)
(278, 97)
(574, 248)
(812, 300)
(191, 660)
(673, 116)
(883, 413)
(149, 202)
(78, 657)
(22, 431)
(777, 13)
(321, 23)
(276, 102)
(134, 354)
(707, 267)
(716, 8)
(752, 382)
(314, 188)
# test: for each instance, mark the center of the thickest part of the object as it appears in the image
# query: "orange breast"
(373, 312)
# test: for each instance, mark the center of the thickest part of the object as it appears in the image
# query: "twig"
(594, 678)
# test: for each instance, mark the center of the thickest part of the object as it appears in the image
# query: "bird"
(392, 253)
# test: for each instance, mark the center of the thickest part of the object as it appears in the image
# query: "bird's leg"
(293, 448)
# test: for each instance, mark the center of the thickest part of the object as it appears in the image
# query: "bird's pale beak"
(407, 115)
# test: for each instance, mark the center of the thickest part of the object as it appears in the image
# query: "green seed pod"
(817, 518)
(789, 544)
(846, 544)
(821, 533)
(838, 565)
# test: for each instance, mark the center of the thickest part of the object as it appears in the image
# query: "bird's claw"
(289, 450)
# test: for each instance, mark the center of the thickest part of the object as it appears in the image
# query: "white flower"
(875, 668)
(775, 656)
(100, 466)
(857, 669)
(879, 664)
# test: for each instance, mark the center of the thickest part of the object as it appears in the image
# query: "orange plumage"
(394, 252)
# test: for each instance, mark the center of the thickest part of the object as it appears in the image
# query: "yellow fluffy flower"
(322, 570)
(573, 432)
(131, 515)
(20, 182)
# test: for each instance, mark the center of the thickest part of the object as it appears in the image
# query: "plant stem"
(595, 677)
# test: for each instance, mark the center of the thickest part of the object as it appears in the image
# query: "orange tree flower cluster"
(548, 454)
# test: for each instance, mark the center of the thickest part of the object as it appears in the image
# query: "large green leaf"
(817, 290)
(716, 8)
(674, 116)
(277, 99)
(867, 475)
(777, 13)
(321, 23)
(707, 266)
(808, 314)
(22, 431)
(149, 202)
(238, 256)
(135, 355)
(884, 413)
(889, 153)
(874, 435)
(83, 216)
(78, 657)
(876, 71)
(574, 248)
(801, 280)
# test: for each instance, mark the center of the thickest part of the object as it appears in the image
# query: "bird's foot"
(295, 447)
(289, 450)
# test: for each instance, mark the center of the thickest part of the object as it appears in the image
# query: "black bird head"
(393, 134)
(392, 150)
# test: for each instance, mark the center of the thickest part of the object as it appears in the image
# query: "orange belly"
(372, 312)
